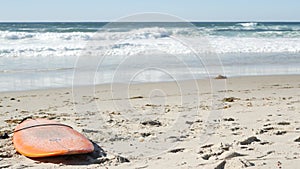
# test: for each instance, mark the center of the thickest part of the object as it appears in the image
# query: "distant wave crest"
(248, 24)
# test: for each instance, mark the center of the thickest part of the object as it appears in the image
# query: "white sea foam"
(141, 41)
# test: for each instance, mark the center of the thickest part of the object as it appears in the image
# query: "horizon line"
(106, 21)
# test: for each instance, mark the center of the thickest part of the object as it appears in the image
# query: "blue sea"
(51, 55)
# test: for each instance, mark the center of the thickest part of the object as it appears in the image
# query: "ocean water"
(49, 55)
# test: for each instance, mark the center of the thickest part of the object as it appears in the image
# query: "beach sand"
(219, 123)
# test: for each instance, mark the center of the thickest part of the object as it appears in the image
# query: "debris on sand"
(250, 140)
(4, 135)
(280, 132)
(297, 140)
(136, 97)
(221, 77)
(145, 134)
(284, 123)
(152, 123)
(228, 119)
(110, 160)
(230, 99)
(176, 150)
(122, 159)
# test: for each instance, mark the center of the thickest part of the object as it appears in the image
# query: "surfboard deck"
(44, 138)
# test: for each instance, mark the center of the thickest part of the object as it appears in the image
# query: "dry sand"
(238, 122)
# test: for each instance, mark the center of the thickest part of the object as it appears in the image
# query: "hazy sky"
(110, 10)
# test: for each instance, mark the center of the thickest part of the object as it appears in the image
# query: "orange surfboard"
(44, 138)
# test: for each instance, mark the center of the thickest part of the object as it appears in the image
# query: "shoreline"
(141, 83)
(257, 125)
